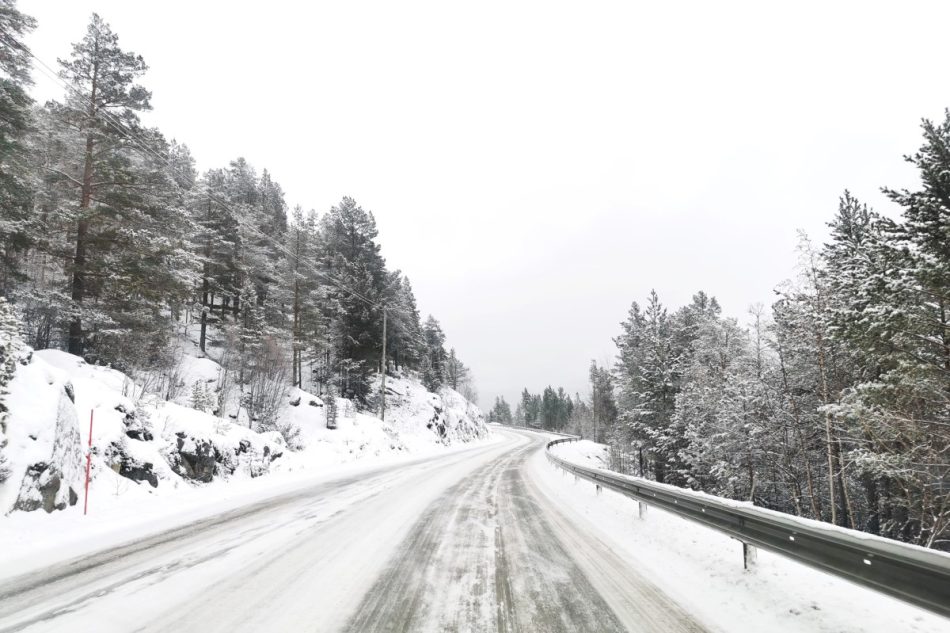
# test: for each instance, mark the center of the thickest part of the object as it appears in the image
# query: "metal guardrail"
(912, 574)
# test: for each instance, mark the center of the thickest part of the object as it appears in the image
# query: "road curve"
(462, 542)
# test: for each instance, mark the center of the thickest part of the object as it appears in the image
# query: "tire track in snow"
(145, 575)
(487, 523)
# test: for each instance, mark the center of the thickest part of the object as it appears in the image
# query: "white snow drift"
(144, 446)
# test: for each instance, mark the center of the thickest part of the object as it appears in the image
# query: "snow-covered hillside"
(144, 446)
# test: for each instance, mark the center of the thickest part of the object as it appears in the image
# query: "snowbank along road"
(468, 541)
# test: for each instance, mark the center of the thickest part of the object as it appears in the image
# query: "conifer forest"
(112, 242)
(832, 405)
(830, 401)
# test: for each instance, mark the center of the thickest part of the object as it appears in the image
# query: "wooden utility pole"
(382, 407)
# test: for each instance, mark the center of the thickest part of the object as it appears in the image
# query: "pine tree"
(518, 417)
(892, 314)
(217, 243)
(104, 97)
(18, 230)
(331, 407)
(456, 373)
(500, 411)
(349, 255)
(12, 352)
(406, 345)
(434, 366)
(647, 380)
(301, 258)
(603, 407)
(203, 398)
(724, 409)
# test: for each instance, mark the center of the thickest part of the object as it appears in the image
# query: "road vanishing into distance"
(467, 541)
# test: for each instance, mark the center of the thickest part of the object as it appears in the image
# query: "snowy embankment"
(702, 569)
(159, 463)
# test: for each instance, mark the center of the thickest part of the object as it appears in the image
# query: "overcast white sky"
(535, 167)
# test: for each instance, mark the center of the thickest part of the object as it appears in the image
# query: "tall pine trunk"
(205, 287)
(297, 378)
(204, 310)
(82, 229)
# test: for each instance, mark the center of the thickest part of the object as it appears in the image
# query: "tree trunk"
(830, 442)
(846, 510)
(82, 228)
(205, 287)
(873, 522)
(78, 283)
(296, 379)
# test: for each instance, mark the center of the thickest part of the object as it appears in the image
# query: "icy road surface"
(464, 542)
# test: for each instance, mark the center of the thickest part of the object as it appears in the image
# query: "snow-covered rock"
(44, 451)
(143, 445)
(448, 416)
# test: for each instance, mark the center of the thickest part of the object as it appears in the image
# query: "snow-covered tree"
(356, 284)
(434, 363)
(18, 230)
(12, 352)
(500, 411)
(203, 397)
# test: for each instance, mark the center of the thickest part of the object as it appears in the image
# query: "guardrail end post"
(749, 556)
(642, 509)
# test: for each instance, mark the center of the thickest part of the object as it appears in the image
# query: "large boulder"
(52, 482)
(193, 458)
(43, 487)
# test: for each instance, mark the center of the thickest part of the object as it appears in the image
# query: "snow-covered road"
(468, 541)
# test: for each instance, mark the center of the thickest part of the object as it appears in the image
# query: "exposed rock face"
(138, 471)
(136, 424)
(250, 456)
(43, 487)
(51, 485)
(200, 460)
(117, 456)
(437, 423)
(194, 458)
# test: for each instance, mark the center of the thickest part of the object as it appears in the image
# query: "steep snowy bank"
(143, 446)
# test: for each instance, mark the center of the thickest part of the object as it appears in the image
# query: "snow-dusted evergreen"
(836, 406)
(213, 335)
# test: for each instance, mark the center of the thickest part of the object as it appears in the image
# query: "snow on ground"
(42, 440)
(157, 463)
(584, 453)
(33, 540)
(702, 569)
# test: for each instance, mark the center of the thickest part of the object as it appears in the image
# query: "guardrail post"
(916, 576)
(749, 556)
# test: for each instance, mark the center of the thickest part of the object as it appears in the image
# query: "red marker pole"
(85, 507)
